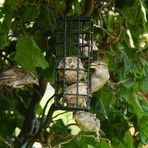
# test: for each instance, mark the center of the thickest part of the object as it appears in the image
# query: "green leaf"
(123, 93)
(41, 39)
(8, 9)
(144, 85)
(144, 105)
(127, 141)
(129, 83)
(134, 102)
(101, 108)
(116, 125)
(7, 123)
(4, 105)
(102, 144)
(87, 142)
(11, 5)
(46, 19)
(30, 13)
(143, 130)
(7, 102)
(3, 40)
(29, 55)
(58, 126)
(108, 100)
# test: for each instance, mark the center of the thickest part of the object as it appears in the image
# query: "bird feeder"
(73, 58)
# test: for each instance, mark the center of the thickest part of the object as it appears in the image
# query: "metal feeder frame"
(68, 32)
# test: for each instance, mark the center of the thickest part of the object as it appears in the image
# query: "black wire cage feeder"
(73, 57)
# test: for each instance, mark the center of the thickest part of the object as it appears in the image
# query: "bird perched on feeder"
(99, 77)
(87, 122)
(73, 65)
(71, 94)
(17, 78)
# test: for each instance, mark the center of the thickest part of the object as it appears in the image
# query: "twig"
(7, 143)
(71, 124)
(49, 116)
(28, 123)
(92, 136)
(43, 112)
(21, 23)
(120, 82)
(72, 137)
(20, 99)
(68, 7)
(114, 40)
(43, 126)
(59, 114)
(107, 32)
(109, 142)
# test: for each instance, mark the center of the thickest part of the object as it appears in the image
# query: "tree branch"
(30, 116)
(28, 123)
(43, 126)
(88, 8)
(68, 4)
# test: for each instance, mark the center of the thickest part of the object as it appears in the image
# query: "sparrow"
(72, 67)
(87, 122)
(100, 75)
(17, 78)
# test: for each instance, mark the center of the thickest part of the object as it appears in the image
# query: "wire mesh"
(73, 57)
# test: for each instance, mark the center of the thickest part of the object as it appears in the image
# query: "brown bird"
(87, 122)
(17, 78)
(71, 69)
(99, 77)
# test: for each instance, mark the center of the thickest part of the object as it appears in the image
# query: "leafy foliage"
(27, 40)
(36, 58)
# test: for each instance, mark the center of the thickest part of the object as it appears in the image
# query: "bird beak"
(93, 66)
(37, 82)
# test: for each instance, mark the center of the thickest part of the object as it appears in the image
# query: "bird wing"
(12, 74)
(9, 74)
